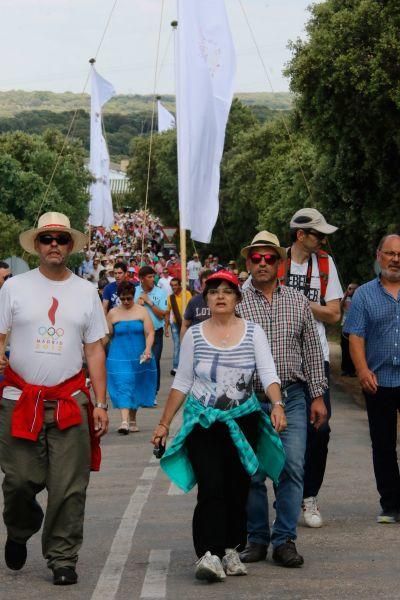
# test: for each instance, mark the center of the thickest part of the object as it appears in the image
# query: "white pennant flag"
(165, 119)
(100, 206)
(206, 65)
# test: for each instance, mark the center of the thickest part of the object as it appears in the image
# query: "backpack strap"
(323, 267)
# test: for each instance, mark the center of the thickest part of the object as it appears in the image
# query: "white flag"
(100, 206)
(165, 119)
(206, 65)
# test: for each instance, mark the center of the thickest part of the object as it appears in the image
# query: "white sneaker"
(209, 567)
(232, 563)
(311, 514)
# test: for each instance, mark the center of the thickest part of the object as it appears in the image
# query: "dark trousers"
(157, 351)
(219, 519)
(317, 448)
(382, 417)
(347, 364)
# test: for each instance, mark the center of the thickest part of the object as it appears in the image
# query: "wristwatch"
(101, 405)
(278, 403)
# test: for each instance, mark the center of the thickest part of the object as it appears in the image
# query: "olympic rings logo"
(51, 331)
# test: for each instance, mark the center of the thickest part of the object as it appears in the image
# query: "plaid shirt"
(292, 335)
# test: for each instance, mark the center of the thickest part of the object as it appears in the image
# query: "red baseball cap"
(225, 276)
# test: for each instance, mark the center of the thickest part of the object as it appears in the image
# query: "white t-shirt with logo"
(49, 322)
(297, 280)
(194, 268)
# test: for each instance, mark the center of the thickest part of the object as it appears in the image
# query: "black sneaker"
(286, 555)
(64, 576)
(15, 555)
(253, 552)
(173, 372)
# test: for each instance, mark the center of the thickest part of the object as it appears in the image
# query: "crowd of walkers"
(250, 367)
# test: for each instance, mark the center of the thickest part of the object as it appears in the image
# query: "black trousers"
(220, 519)
(317, 448)
(382, 411)
(347, 364)
(157, 351)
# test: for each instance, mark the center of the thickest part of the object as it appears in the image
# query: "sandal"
(123, 428)
(133, 428)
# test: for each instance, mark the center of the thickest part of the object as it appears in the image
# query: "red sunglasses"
(270, 259)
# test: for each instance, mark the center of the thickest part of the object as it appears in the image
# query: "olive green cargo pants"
(58, 461)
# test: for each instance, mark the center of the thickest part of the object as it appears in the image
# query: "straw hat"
(52, 222)
(267, 240)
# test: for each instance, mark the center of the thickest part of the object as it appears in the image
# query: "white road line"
(110, 577)
(174, 490)
(149, 473)
(155, 581)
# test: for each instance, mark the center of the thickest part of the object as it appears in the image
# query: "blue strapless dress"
(130, 384)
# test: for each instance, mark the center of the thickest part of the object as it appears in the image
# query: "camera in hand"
(159, 450)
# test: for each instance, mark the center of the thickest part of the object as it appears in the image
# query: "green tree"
(346, 76)
(26, 166)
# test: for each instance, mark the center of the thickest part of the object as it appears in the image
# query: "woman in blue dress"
(131, 369)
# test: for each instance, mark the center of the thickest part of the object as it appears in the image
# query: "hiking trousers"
(59, 461)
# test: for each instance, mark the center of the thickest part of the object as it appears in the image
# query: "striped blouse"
(222, 377)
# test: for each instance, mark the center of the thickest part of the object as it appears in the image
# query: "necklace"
(225, 339)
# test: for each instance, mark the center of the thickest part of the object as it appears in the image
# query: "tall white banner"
(206, 66)
(100, 206)
(166, 120)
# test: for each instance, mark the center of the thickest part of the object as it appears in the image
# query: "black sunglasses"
(270, 259)
(62, 239)
(317, 234)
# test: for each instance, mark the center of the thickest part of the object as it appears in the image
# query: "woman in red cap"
(225, 437)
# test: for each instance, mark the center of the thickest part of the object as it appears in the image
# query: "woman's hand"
(160, 435)
(278, 418)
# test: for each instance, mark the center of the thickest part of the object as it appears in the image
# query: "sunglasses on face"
(317, 234)
(270, 259)
(61, 239)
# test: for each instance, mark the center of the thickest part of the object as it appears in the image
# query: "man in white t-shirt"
(193, 269)
(310, 270)
(49, 429)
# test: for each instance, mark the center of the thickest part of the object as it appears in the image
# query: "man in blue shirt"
(154, 299)
(373, 323)
(110, 292)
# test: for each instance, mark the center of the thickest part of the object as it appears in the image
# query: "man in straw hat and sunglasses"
(286, 318)
(49, 430)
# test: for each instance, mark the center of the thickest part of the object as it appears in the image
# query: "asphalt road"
(138, 530)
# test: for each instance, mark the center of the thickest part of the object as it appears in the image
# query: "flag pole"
(91, 62)
(182, 232)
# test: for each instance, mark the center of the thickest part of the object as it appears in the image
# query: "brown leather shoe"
(253, 552)
(286, 555)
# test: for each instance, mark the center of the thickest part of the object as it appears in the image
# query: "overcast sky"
(46, 44)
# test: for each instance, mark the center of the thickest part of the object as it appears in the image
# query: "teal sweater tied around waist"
(269, 457)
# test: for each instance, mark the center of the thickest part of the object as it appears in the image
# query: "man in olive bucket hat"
(49, 429)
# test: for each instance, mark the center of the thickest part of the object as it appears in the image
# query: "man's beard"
(392, 276)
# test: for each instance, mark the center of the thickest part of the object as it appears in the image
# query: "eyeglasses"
(61, 239)
(317, 234)
(223, 291)
(270, 259)
(390, 254)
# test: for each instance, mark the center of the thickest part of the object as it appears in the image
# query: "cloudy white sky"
(46, 44)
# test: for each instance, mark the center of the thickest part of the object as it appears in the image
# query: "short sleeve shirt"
(159, 297)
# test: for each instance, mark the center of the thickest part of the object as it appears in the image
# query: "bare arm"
(148, 332)
(105, 304)
(173, 404)
(95, 358)
(330, 313)
(3, 358)
(366, 377)
(278, 418)
(186, 323)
